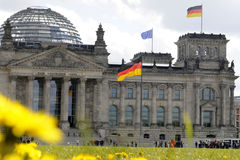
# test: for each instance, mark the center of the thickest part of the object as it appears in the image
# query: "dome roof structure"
(38, 24)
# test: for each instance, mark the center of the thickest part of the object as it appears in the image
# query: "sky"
(125, 20)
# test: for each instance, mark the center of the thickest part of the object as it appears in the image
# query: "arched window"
(206, 51)
(129, 115)
(176, 117)
(113, 116)
(145, 116)
(215, 51)
(198, 51)
(207, 94)
(160, 116)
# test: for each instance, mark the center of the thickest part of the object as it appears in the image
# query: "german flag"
(129, 70)
(195, 11)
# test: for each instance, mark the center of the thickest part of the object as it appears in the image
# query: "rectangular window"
(161, 94)
(114, 92)
(130, 93)
(145, 94)
(177, 94)
(207, 118)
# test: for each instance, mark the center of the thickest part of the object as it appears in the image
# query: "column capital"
(222, 86)
(196, 85)
(154, 84)
(31, 78)
(123, 84)
(66, 78)
(138, 84)
(99, 80)
(82, 79)
(170, 85)
(12, 77)
(47, 78)
(105, 80)
(232, 87)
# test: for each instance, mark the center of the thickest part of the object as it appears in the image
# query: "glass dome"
(39, 24)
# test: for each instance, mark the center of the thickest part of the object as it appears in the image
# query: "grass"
(67, 152)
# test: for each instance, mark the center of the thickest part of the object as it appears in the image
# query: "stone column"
(105, 105)
(80, 102)
(29, 97)
(99, 101)
(64, 124)
(169, 108)
(46, 94)
(122, 104)
(232, 116)
(137, 108)
(223, 104)
(82, 99)
(12, 87)
(197, 103)
(154, 105)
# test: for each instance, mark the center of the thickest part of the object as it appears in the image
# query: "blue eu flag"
(147, 34)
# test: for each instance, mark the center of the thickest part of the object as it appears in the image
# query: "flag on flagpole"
(130, 69)
(195, 11)
(147, 34)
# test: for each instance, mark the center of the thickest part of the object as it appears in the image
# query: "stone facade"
(200, 84)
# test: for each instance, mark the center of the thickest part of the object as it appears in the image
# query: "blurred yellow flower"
(23, 121)
(48, 157)
(122, 154)
(225, 157)
(84, 157)
(138, 158)
(29, 150)
(110, 156)
(12, 157)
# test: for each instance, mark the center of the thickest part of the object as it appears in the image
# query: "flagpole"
(201, 18)
(140, 128)
(152, 40)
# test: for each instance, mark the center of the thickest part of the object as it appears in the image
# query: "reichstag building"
(45, 65)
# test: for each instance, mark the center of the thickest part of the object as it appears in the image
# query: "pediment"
(208, 104)
(58, 58)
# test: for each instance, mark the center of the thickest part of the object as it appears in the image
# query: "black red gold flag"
(195, 11)
(129, 70)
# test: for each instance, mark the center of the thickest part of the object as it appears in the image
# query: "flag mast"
(152, 40)
(141, 87)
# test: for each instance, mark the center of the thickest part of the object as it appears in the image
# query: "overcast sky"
(124, 20)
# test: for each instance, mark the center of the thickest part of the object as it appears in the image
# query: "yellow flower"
(29, 150)
(225, 157)
(98, 157)
(23, 121)
(12, 157)
(138, 158)
(84, 157)
(48, 157)
(110, 156)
